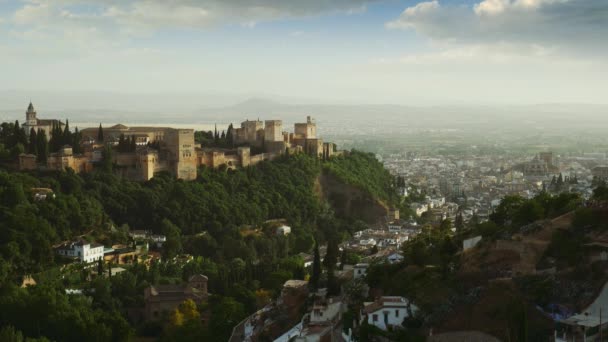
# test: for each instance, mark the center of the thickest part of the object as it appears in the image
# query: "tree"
(133, 144)
(343, 259)
(316, 268)
(173, 246)
(32, 147)
(67, 134)
(331, 255)
(43, 146)
(177, 318)
(230, 136)
(121, 143)
(374, 250)
(459, 222)
(19, 134)
(10, 334)
(189, 310)
(100, 134)
(446, 225)
(107, 163)
(76, 139)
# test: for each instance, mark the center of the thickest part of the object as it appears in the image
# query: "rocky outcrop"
(349, 201)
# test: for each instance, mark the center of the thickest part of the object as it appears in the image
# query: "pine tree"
(216, 136)
(100, 134)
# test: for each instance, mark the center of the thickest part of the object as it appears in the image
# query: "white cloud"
(579, 26)
(153, 14)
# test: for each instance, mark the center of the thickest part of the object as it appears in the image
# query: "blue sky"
(355, 51)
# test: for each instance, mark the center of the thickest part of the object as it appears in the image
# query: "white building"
(159, 240)
(368, 242)
(387, 311)
(470, 243)
(328, 311)
(419, 208)
(82, 250)
(283, 230)
(360, 270)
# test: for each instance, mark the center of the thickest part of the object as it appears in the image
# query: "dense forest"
(221, 219)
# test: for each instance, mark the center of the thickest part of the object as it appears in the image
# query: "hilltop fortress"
(158, 149)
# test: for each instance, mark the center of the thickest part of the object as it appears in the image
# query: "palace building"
(164, 149)
(31, 121)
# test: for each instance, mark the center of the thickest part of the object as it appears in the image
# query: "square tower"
(273, 130)
(182, 154)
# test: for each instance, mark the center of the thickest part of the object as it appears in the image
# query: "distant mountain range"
(111, 107)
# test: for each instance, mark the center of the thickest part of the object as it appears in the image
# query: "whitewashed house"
(283, 230)
(470, 243)
(82, 250)
(159, 240)
(387, 312)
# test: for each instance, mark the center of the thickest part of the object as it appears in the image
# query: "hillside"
(222, 220)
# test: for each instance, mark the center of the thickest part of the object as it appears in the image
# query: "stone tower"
(30, 116)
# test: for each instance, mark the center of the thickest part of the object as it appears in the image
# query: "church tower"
(30, 117)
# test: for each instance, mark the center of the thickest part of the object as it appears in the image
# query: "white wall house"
(82, 250)
(283, 230)
(387, 311)
(470, 243)
(159, 240)
(328, 311)
(360, 270)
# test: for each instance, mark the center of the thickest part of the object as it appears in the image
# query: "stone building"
(161, 299)
(32, 121)
(175, 153)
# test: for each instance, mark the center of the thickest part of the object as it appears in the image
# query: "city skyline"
(344, 51)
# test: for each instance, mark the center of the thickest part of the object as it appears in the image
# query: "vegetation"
(224, 220)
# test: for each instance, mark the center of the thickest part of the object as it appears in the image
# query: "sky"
(405, 52)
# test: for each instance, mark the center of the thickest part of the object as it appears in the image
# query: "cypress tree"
(76, 138)
(43, 146)
(107, 163)
(316, 269)
(33, 145)
(100, 134)
(132, 145)
(67, 134)
(121, 143)
(229, 136)
(459, 222)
